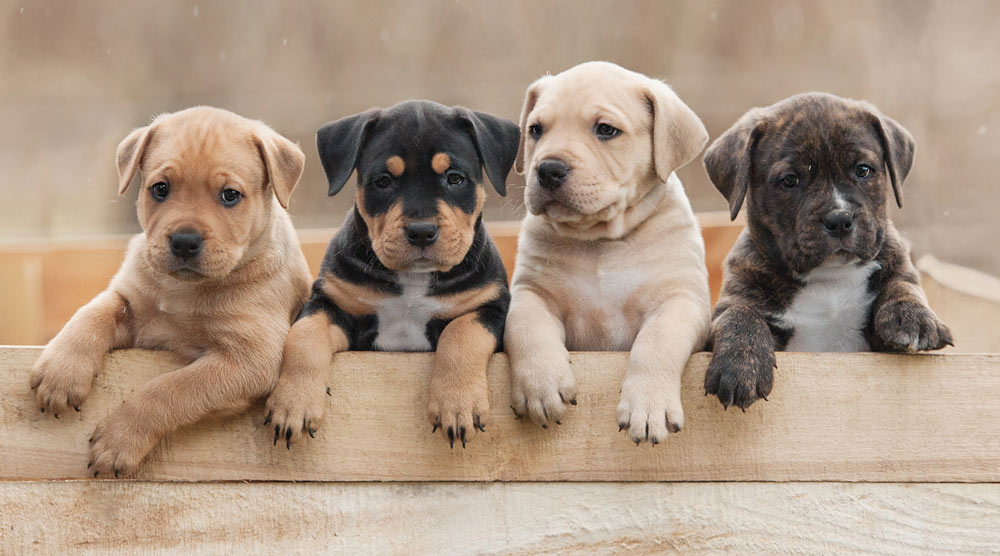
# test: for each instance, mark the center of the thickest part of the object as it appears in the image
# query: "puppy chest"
(830, 313)
(402, 320)
(603, 309)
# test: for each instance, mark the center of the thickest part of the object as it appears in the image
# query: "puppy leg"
(742, 367)
(297, 402)
(219, 382)
(903, 321)
(459, 400)
(542, 381)
(65, 371)
(650, 405)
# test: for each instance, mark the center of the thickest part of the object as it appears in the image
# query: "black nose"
(552, 173)
(839, 222)
(421, 234)
(185, 244)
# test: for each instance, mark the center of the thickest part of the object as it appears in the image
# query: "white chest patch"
(830, 312)
(402, 320)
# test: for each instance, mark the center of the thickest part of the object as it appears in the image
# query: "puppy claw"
(288, 439)
(77, 408)
(434, 428)
(312, 433)
(451, 437)
(328, 392)
(116, 473)
(277, 432)
(461, 434)
(267, 421)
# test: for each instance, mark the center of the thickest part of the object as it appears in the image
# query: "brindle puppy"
(820, 267)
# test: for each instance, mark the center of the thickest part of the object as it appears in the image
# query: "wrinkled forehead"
(590, 98)
(418, 140)
(199, 146)
(821, 132)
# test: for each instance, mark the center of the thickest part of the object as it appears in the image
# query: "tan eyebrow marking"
(441, 162)
(395, 165)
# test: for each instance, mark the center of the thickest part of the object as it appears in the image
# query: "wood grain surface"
(831, 417)
(362, 519)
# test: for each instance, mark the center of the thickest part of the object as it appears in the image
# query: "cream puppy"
(610, 256)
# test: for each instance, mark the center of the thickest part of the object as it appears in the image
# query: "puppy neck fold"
(617, 224)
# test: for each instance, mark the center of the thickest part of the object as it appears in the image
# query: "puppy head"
(419, 164)
(209, 180)
(596, 138)
(816, 170)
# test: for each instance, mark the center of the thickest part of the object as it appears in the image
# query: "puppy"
(412, 268)
(819, 266)
(216, 277)
(610, 256)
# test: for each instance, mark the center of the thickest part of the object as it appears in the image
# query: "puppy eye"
(535, 131)
(789, 181)
(863, 171)
(606, 131)
(382, 182)
(454, 178)
(229, 197)
(160, 190)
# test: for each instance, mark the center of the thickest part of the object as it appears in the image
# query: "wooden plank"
(517, 518)
(832, 417)
(73, 272)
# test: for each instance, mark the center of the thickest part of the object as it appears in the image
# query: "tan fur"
(457, 230)
(458, 393)
(395, 165)
(614, 259)
(440, 163)
(353, 298)
(466, 301)
(229, 323)
(297, 400)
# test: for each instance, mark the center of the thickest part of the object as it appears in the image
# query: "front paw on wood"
(740, 377)
(909, 326)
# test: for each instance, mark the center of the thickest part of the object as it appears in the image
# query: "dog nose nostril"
(839, 222)
(186, 244)
(552, 173)
(421, 234)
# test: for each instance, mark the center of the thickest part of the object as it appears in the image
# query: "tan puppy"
(216, 277)
(610, 256)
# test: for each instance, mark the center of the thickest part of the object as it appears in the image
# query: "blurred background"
(75, 77)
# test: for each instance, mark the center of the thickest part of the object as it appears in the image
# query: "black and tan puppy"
(412, 268)
(820, 267)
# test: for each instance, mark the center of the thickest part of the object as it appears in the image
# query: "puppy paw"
(457, 408)
(648, 411)
(61, 381)
(120, 442)
(295, 407)
(910, 326)
(543, 391)
(740, 376)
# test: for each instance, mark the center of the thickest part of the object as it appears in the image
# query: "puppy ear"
(496, 141)
(283, 161)
(898, 146)
(678, 134)
(729, 159)
(339, 143)
(129, 155)
(530, 98)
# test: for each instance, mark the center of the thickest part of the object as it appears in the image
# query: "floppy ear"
(678, 134)
(129, 155)
(339, 143)
(530, 98)
(898, 146)
(729, 159)
(283, 161)
(496, 141)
